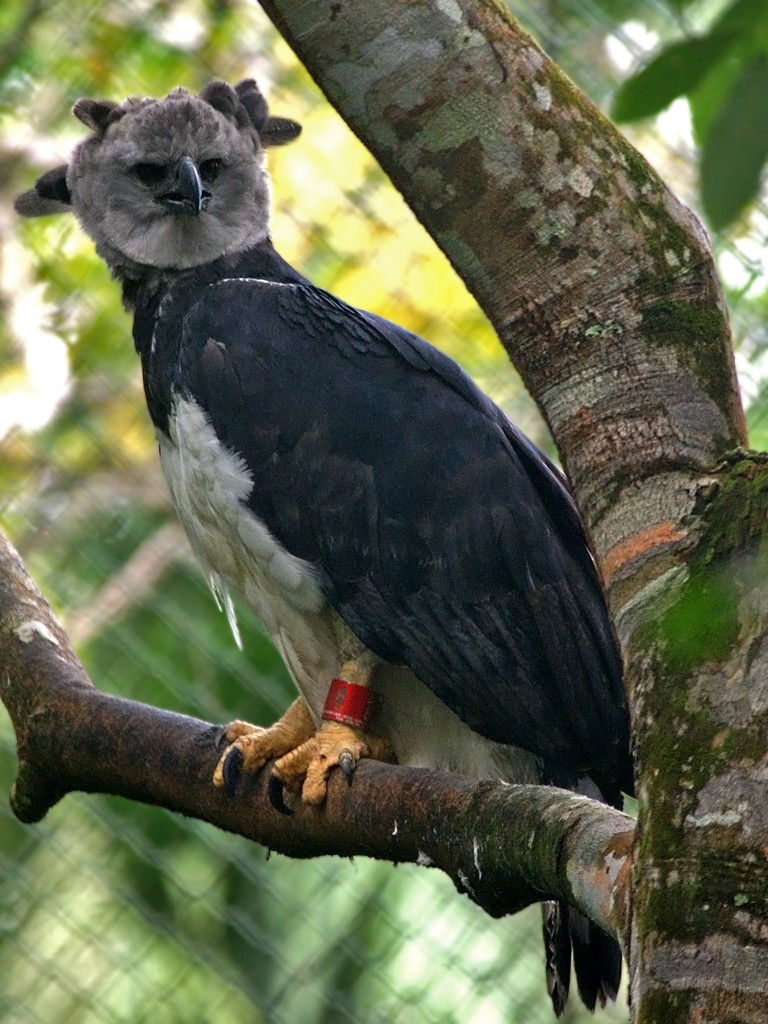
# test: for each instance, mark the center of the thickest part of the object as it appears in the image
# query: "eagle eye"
(209, 169)
(149, 174)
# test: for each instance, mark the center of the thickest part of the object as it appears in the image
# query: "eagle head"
(168, 183)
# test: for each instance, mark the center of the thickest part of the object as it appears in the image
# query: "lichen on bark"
(700, 664)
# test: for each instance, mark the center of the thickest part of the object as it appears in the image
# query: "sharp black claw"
(230, 770)
(347, 765)
(275, 794)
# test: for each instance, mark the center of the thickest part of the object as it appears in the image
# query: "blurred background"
(115, 912)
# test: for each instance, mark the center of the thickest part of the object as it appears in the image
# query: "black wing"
(445, 539)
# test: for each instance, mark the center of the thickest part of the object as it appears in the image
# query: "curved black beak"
(187, 194)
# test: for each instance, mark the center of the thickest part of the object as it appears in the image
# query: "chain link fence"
(112, 911)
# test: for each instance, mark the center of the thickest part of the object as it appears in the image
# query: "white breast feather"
(210, 486)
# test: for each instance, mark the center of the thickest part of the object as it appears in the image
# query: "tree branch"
(495, 841)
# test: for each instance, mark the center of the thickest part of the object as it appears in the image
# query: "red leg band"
(347, 703)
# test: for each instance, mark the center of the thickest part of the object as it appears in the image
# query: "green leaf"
(747, 22)
(707, 99)
(736, 147)
(745, 17)
(677, 70)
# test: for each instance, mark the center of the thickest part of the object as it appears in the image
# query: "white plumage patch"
(210, 487)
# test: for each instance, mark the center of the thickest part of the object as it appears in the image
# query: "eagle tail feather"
(596, 960)
(596, 957)
(557, 947)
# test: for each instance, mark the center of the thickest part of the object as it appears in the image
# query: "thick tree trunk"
(602, 288)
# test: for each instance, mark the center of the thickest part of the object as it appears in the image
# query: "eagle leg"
(341, 739)
(306, 769)
(249, 747)
(304, 758)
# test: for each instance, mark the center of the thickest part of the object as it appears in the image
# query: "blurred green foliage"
(112, 911)
(723, 73)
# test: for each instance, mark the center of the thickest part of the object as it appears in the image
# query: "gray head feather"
(120, 180)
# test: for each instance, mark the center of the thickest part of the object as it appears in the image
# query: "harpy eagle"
(394, 532)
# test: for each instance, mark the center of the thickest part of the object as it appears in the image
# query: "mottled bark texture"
(602, 288)
(496, 842)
